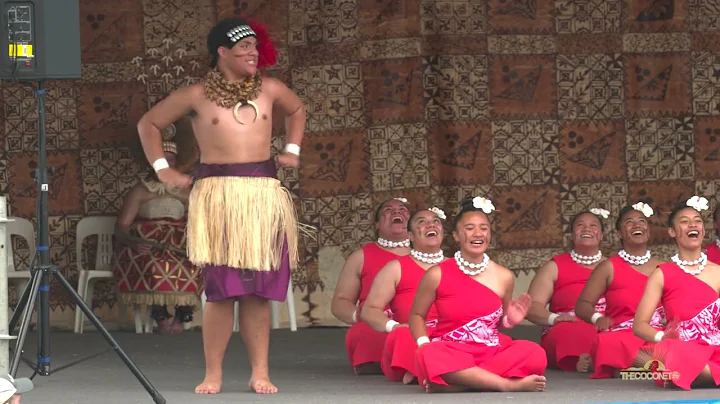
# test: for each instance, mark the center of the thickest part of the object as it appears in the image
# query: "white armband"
(595, 318)
(292, 148)
(552, 317)
(659, 336)
(354, 316)
(422, 340)
(160, 164)
(390, 324)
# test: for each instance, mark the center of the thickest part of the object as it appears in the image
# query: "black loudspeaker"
(40, 40)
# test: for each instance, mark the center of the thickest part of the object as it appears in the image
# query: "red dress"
(713, 252)
(400, 347)
(362, 343)
(618, 347)
(697, 306)
(466, 335)
(565, 341)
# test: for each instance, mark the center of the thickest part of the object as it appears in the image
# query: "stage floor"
(308, 366)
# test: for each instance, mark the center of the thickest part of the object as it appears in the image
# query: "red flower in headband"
(267, 53)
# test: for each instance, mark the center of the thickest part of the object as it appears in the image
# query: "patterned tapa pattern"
(548, 107)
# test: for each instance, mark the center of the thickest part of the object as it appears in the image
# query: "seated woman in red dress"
(621, 279)
(395, 286)
(473, 296)
(713, 249)
(566, 340)
(364, 345)
(688, 287)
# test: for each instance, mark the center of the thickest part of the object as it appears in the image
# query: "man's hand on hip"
(288, 160)
(174, 179)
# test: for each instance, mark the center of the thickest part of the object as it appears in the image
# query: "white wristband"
(160, 164)
(659, 336)
(552, 317)
(292, 148)
(422, 340)
(595, 317)
(355, 316)
(390, 324)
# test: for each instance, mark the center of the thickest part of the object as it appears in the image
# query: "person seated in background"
(364, 345)
(559, 282)
(11, 389)
(395, 286)
(621, 279)
(151, 267)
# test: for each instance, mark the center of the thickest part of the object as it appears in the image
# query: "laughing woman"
(566, 340)
(621, 279)
(688, 288)
(395, 286)
(473, 296)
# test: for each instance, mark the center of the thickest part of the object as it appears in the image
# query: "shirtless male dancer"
(242, 225)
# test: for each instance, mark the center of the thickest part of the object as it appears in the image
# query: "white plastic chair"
(23, 228)
(274, 309)
(103, 227)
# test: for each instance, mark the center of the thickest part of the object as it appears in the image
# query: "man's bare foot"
(409, 378)
(211, 385)
(583, 363)
(262, 385)
(529, 383)
(15, 399)
(177, 327)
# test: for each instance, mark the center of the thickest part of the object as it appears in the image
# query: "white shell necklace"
(585, 260)
(478, 268)
(700, 262)
(635, 259)
(393, 244)
(717, 242)
(428, 258)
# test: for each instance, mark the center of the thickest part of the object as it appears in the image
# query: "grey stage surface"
(308, 366)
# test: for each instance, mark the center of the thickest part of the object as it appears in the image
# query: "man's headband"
(240, 32)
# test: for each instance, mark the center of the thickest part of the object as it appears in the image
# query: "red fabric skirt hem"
(615, 350)
(685, 360)
(363, 344)
(566, 341)
(515, 359)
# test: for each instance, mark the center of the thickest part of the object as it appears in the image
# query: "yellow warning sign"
(20, 51)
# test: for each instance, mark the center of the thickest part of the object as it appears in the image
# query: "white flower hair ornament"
(403, 200)
(439, 212)
(643, 208)
(698, 203)
(484, 204)
(600, 212)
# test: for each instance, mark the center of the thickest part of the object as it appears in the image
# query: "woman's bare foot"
(409, 378)
(371, 368)
(437, 388)
(529, 383)
(583, 363)
(211, 385)
(262, 385)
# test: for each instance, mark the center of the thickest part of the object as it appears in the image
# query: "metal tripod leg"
(55, 271)
(32, 289)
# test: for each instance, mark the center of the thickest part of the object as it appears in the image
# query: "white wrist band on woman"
(354, 316)
(160, 164)
(390, 325)
(552, 317)
(292, 148)
(422, 340)
(659, 336)
(595, 317)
